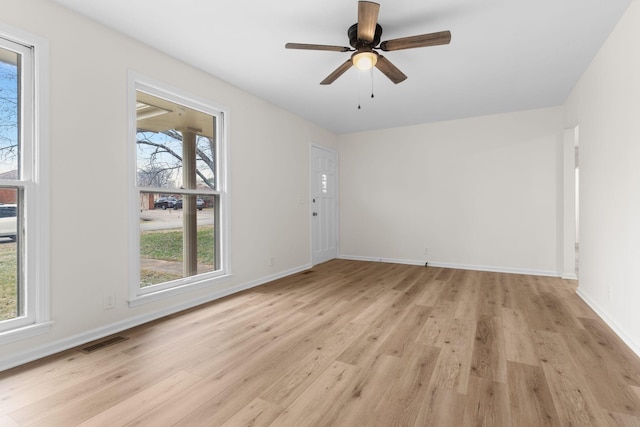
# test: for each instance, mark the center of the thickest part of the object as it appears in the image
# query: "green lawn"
(8, 276)
(166, 245)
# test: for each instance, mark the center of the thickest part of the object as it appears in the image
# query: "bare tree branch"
(163, 148)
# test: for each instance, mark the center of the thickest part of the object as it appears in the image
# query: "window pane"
(167, 133)
(177, 156)
(205, 162)
(159, 159)
(176, 241)
(11, 298)
(9, 108)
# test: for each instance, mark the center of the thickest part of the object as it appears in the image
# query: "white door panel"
(323, 205)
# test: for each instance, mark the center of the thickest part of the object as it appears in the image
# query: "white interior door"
(324, 228)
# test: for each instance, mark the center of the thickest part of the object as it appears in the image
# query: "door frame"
(570, 208)
(336, 209)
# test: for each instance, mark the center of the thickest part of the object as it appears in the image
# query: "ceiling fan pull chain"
(358, 86)
(372, 82)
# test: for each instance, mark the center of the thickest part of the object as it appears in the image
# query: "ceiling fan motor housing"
(357, 44)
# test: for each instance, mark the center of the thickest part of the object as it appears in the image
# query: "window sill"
(24, 332)
(163, 294)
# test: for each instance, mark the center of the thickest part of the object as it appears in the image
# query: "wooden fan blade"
(390, 70)
(337, 73)
(423, 40)
(316, 47)
(367, 20)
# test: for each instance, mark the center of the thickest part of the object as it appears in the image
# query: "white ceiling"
(505, 55)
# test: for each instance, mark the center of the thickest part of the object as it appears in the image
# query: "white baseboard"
(39, 352)
(494, 269)
(619, 331)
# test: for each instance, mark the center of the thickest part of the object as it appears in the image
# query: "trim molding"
(494, 269)
(57, 346)
(617, 329)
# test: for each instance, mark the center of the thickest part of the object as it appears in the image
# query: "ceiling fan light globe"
(364, 60)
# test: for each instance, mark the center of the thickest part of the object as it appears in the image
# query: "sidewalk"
(170, 267)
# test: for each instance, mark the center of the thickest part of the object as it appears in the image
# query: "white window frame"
(137, 295)
(34, 166)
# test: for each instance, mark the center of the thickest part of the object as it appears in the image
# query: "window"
(180, 193)
(23, 197)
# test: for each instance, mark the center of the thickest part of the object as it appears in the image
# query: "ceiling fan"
(364, 38)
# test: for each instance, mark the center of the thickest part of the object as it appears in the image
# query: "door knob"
(315, 214)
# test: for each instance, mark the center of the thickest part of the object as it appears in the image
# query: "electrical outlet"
(109, 300)
(426, 251)
(270, 261)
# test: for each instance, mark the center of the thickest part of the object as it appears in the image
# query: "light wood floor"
(350, 344)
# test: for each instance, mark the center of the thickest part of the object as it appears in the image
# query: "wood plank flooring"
(350, 344)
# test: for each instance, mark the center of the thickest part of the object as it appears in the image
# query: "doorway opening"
(577, 199)
(570, 205)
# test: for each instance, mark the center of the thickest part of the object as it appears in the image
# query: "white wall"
(606, 106)
(479, 193)
(269, 151)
